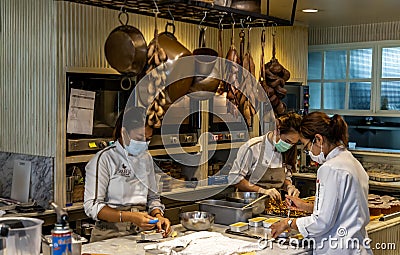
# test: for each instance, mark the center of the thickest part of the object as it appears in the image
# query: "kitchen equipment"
(249, 5)
(21, 180)
(226, 212)
(197, 220)
(239, 226)
(246, 198)
(205, 68)
(77, 241)
(110, 100)
(23, 237)
(126, 48)
(61, 235)
(256, 222)
(174, 50)
(255, 201)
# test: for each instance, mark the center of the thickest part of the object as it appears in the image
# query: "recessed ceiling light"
(310, 10)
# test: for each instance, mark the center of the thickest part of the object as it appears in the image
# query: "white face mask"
(320, 159)
(136, 147)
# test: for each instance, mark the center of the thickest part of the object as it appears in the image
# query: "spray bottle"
(61, 234)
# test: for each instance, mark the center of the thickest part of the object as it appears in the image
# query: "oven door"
(111, 96)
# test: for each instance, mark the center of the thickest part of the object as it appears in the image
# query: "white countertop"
(128, 245)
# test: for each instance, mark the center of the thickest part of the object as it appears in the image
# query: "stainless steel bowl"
(197, 220)
(246, 198)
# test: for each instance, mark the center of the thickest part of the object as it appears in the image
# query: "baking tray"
(226, 212)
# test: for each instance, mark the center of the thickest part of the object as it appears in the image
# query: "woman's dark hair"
(333, 129)
(290, 123)
(132, 118)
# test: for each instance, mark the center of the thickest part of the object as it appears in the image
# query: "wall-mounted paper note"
(80, 112)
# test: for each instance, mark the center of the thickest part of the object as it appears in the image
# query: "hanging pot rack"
(193, 12)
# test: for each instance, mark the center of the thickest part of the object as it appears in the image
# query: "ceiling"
(339, 12)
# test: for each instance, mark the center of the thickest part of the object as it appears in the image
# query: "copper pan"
(126, 49)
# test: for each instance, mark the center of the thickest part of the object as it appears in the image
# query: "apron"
(270, 178)
(106, 230)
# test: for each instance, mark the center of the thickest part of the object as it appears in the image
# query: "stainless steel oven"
(297, 97)
(110, 94)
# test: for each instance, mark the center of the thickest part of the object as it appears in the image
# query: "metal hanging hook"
(172, 16)
(233, 19)
(242, 23)
(122, 9)
(274, 29)
(156, 10)
(220, 25)
(202, 20)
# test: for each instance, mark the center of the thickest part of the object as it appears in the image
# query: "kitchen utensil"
(197, 220)
(226, 212)
(126, 48)
(21, 180)
(248, 197)
(255, 201)
(239, 226)
(175, 50)
(205, 68)
(256, 222)
(23, 236)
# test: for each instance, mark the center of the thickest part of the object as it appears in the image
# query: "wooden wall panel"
(356, 33)
(27, 80)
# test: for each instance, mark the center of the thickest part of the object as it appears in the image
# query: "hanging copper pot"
(175, 50)
(126, 48)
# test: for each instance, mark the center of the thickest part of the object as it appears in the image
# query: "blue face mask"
(136, 147)
(282, 146)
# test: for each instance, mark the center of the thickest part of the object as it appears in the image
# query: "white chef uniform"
(249, 164)
(341, 206)
(122, 182)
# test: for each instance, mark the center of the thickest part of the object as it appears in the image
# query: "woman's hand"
(141, 219)
(296, 203)
(292, 190)
(278, 227)
(272, 193)
(163, 224)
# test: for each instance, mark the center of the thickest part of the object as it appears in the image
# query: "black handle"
(169, 24)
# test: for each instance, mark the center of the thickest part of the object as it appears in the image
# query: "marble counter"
(128, 245)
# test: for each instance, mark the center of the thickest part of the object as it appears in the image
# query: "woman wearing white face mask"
(264, 164)
(121, 189)
(340, 212)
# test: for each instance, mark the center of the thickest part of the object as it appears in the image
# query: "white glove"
(272, 193)
(292, 191)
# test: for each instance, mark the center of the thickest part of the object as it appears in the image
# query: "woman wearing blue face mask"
(121, 189)
(340, 211)
(264, 164)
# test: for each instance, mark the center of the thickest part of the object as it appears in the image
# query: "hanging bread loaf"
(274, 76)
(156, 69)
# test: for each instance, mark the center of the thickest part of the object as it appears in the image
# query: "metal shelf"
(375, 127)
(193, 12)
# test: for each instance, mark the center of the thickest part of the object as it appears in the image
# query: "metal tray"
(226, 212)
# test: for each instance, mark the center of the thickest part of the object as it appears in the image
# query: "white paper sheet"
(80, 112)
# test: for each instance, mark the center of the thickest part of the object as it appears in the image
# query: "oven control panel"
(231, 136)
(92, 144)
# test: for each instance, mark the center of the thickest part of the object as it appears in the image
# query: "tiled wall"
(41, 184)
